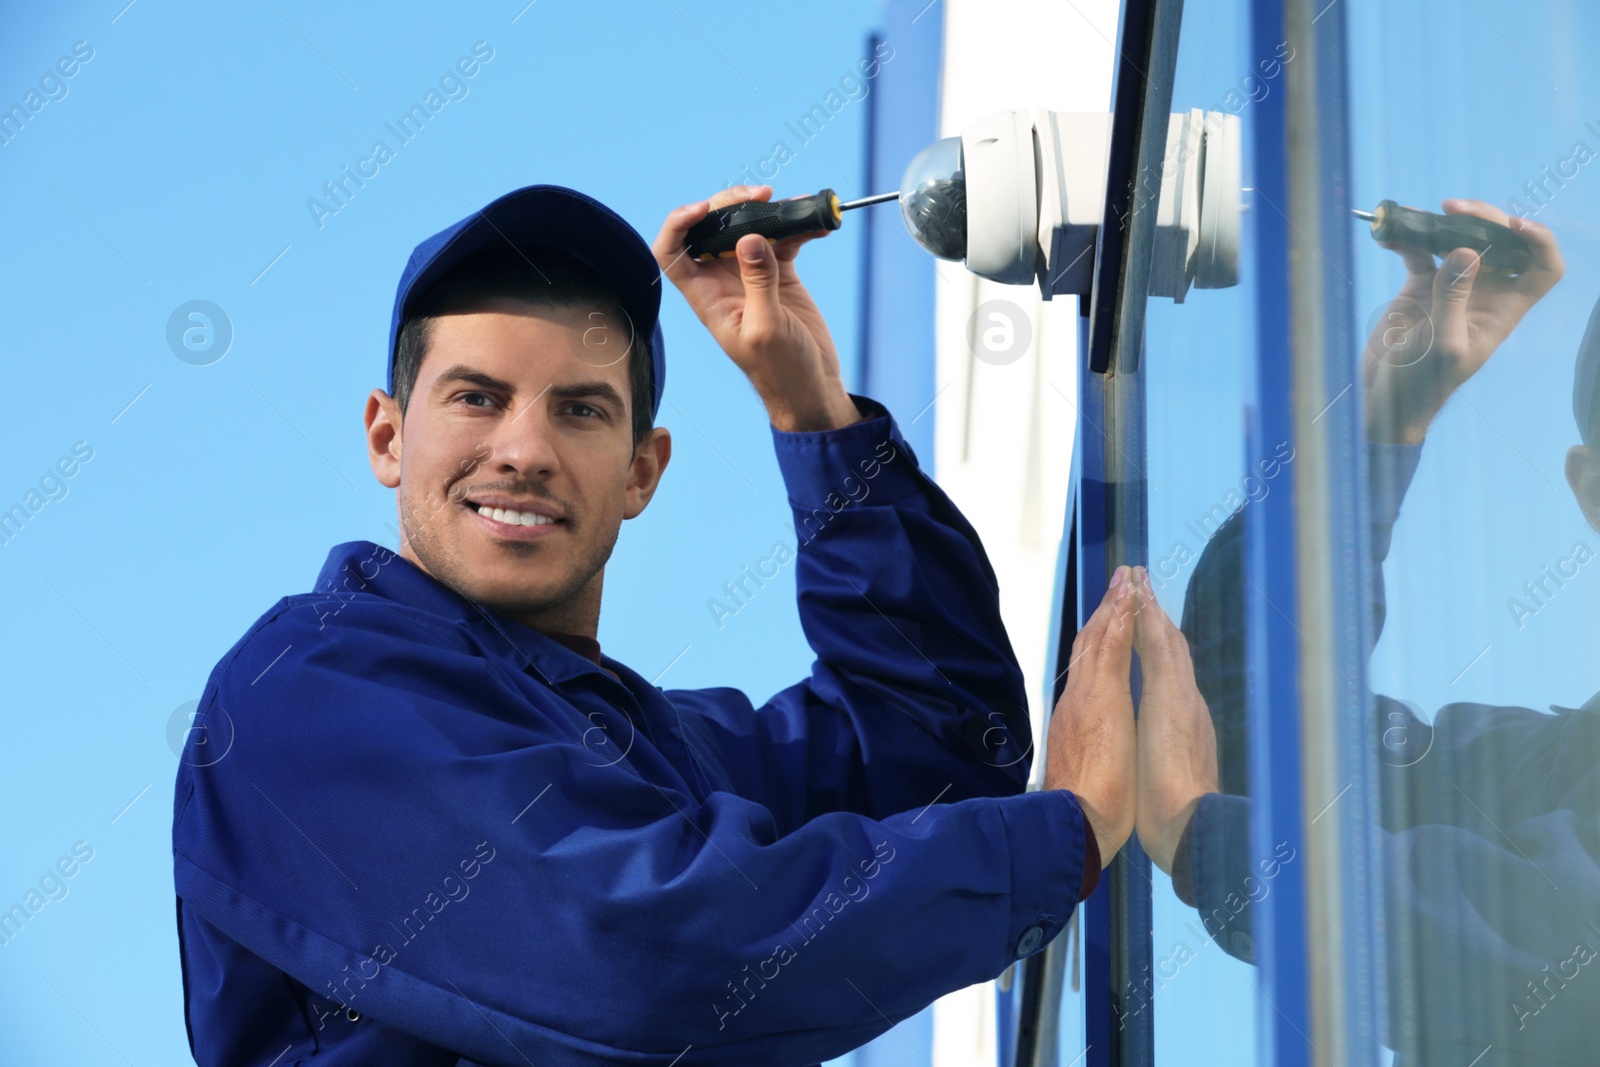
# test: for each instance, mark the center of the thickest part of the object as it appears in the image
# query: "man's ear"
(1583, 474)
(383, 437)
(650, 460)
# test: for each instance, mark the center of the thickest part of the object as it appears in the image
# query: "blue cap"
(550, 216)
(1586, 381)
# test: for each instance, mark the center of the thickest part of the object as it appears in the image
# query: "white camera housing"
(1035, 200)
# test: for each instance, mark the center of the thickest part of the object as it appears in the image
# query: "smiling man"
(423, 820)
(530, 433)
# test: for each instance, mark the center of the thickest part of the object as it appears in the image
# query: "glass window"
(1197, 355)
(1484, 498)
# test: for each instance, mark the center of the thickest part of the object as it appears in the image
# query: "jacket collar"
(363, 566)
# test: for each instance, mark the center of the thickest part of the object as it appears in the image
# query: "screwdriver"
(718, 233)
(1500, 247)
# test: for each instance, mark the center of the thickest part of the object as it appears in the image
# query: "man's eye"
(587, 411)
(482, 396)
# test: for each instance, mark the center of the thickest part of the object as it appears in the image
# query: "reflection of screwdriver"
(719, 231)
(1500, 247)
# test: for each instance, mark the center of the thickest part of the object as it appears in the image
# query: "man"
(1490, 820)
(447, 829)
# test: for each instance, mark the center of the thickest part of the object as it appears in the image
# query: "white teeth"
(515, 518)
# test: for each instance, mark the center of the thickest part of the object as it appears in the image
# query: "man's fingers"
(1155, 635)
(668, 245)
(1086, 646)
(1116, 645)
(1548, 266)
(1417, 260)
(1092, 736)
(789, 247)
(1452, 288)
(1481, 208)
(1095, 625)
(1151, 616)
(738, 194)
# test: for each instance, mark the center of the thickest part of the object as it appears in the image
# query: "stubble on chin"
(437, 549)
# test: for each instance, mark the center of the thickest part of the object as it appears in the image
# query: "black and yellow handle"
(718, 233)
(1500, 247)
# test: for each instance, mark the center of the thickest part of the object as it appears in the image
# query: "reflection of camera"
(1019, 196)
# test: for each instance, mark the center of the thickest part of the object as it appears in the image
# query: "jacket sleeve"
(915, 695)
(394, 827)
(1491, 868)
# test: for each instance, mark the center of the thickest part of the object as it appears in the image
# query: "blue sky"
(174, 165)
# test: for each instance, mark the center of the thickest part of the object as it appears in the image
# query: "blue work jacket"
(410, 830)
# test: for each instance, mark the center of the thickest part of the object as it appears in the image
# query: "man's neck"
(578, 615)
(559, 621)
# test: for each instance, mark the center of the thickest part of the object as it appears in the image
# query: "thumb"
(758, 269)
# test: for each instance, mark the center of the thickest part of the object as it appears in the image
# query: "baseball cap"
(1586, 382)
(550, 216)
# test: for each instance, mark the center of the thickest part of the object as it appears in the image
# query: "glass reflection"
(1197, 383)
(1481, 380)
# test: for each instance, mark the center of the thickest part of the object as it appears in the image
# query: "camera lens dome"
(933, 199)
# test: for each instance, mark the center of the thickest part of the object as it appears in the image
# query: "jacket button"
(1032, 937)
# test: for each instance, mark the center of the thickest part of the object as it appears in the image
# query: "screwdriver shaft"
(867, 201)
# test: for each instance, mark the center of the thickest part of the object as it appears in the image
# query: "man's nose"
(525, 442)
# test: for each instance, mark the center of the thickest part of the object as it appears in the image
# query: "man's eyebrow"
(588, 391)
(461, 372)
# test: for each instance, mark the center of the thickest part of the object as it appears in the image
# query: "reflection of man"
(449, 827)
(1491, 815)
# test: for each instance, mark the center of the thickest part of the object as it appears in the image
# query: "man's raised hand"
(1445, 322)
(756, 308)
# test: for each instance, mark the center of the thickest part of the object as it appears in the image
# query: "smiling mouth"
(510, 516)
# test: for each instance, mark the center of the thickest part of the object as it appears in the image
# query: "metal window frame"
(1108, 526)
(1317, 935)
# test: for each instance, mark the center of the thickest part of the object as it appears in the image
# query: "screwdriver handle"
(1500, 247)
(718, 233)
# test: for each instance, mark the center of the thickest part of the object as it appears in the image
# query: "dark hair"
(543, 277)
